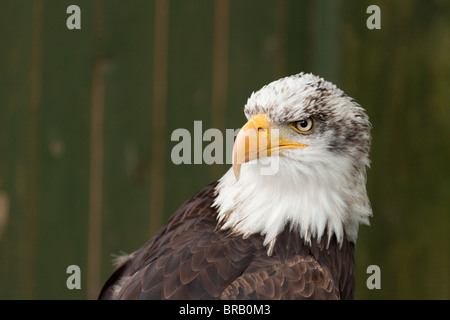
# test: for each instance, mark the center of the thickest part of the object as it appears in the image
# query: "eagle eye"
(303, 126)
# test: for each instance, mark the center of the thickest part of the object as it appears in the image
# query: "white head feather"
(318, 189)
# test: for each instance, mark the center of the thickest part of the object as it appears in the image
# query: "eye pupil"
(303, 126)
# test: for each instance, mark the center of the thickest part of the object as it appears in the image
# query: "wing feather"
(299, 278)
(190, 259)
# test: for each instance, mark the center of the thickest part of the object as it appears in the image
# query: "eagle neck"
(318, 208)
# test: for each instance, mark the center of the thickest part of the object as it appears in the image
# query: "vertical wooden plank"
(63, 151)
(159, 105)
(127, 47)
(189, 87)
(35, 101)
(219, 75)
(253, 49)
(282, 20)
(15, 83)
(391, 72)
(325, 38)
(299, 53)
(96, 157)
(46, 173)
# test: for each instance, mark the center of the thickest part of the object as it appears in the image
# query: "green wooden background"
(86, 118)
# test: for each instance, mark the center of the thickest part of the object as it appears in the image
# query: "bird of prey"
(284, 233)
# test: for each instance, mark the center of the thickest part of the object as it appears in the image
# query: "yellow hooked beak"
(255, 140)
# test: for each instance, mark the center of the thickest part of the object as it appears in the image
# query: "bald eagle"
(285, 234)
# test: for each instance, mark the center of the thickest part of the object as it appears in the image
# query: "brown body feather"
(189, 258)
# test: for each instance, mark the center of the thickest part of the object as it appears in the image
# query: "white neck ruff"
(326, 196)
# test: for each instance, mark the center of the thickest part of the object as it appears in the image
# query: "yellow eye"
(303, 126)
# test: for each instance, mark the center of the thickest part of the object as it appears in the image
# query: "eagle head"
(299, 161)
